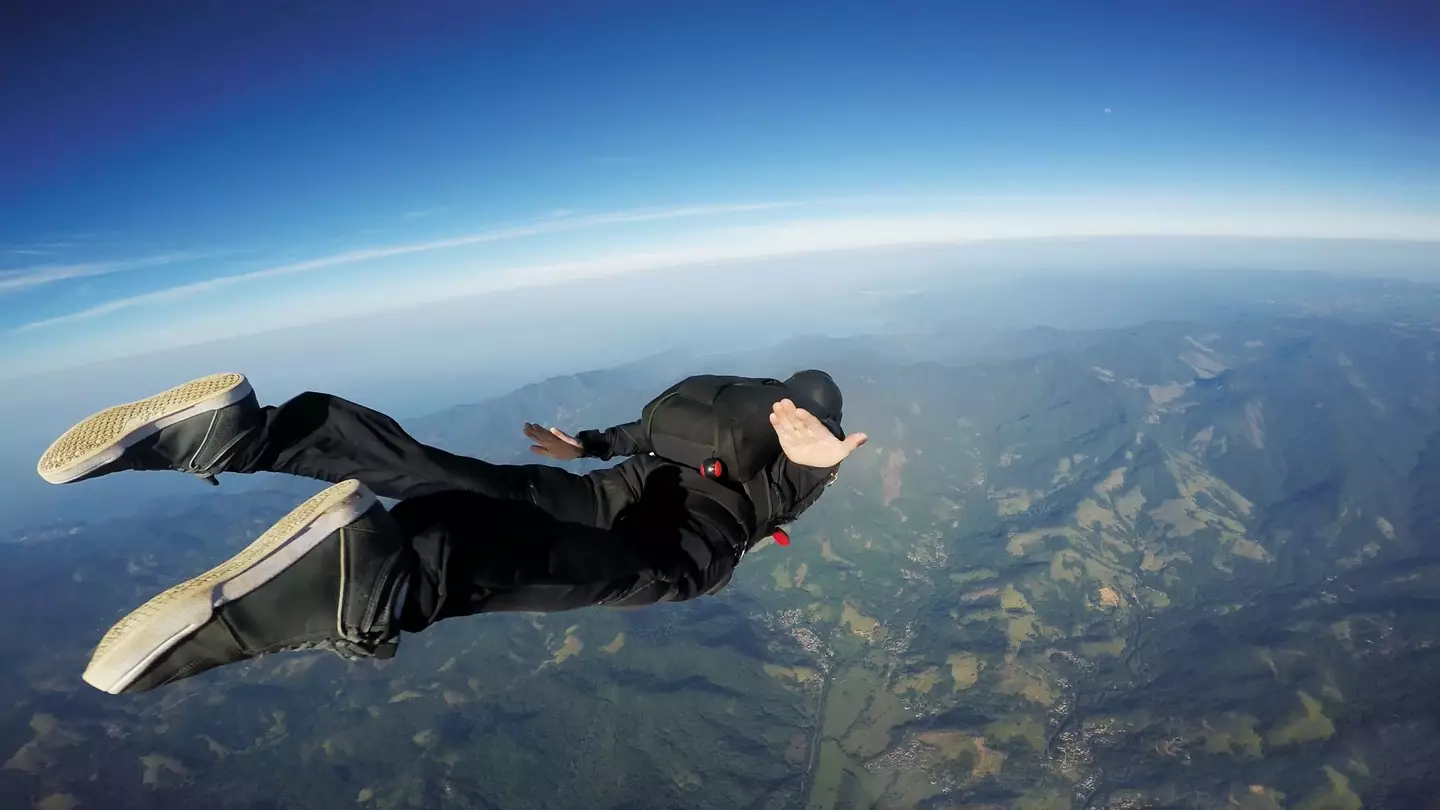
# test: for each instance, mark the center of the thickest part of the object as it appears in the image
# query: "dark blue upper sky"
(156, 144)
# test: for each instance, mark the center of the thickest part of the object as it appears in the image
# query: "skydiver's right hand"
(806, 441)
(553, 443)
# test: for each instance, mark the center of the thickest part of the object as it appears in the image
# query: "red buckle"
(781, 538)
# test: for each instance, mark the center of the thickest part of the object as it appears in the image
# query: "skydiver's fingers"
(795, 415)
(806, 421)
(783, 424)
(782, 429)
(538, 450)
(779, 411)
(795, 420)
(855, 440)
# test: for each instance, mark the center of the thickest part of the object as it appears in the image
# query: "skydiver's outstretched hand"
(552, 443)
(806, 441)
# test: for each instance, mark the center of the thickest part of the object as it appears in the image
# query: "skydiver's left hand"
(553, 443)
(806, 441)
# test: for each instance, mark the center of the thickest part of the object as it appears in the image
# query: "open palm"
(808, 442)
(553, 443)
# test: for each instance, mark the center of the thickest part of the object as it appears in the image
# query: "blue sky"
(207, 169)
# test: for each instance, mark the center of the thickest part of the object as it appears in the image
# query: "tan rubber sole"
(103, 437)
(158, 625)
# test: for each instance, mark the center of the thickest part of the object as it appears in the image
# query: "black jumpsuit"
(525, 537)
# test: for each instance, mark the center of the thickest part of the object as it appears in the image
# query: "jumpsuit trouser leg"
(487, 537)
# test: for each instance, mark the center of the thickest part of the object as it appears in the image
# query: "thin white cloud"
(24, 277)
(44, 246)
(799, 237)
(720, 247)
(370, 254)
(805, 236)
(424, 212)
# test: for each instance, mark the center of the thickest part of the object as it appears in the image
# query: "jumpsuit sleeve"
(628, 439)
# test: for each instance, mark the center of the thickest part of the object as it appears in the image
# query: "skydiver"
(342, 572)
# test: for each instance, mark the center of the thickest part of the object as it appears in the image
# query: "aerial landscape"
(1176, 564)
(1149, 511)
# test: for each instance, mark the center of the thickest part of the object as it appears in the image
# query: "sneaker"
(195, 428)
(327, 575)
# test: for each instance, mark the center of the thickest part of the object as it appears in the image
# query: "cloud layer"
(547, 226)
(977, 221)
(21, 278)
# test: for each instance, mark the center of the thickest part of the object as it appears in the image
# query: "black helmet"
(815, 391)
(797, 487)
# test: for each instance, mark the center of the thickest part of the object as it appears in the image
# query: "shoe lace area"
(348, 649)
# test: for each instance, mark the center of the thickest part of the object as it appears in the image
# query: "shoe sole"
(104, 436)
(158, 625)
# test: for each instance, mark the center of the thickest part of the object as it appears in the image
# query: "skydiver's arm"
(628, 439)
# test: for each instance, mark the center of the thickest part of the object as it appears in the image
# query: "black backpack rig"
(720, 425)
